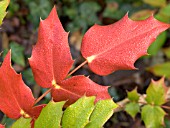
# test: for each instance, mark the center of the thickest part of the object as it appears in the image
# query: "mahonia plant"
(105, 49)
(150, 105)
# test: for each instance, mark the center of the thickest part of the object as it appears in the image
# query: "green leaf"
(112, 10)
(28, 76)
(153, 116)
(165, 11)
(132, 108)
(82, 114)
(162, 18)
(156, 92)
(160, 69)
(167, 123)
(17, 53)
(157, 44)
(7, 121)
(133, 95)
(142, 14)
(3, 6)
(77, 115)
(50, 116)
(157, 3)
(38, 8)
(22, 123)
(102, 112)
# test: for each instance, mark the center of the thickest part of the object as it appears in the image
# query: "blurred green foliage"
(80, 15)
(38, 8)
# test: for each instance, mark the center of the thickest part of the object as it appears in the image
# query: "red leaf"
(51, 58)
(118, 46)
(16, 98)
(2, 126)
(35, 111)
(51, 61)
(77, 86)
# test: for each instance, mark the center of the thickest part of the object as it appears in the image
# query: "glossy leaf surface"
(84, 114)
(119, 45)
(50, 116)
(77, 115)
(102, 112)
(22, 123)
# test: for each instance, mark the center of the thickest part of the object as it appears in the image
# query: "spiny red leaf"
(13, 91)
(77, 86)
(51, 58)
(51, 61)
(16, 98)
(119, 45)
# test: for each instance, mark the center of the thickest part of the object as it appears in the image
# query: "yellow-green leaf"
(142, 15)
(165, 11)
(102, 112)
(160, 69)
(132, 108)
(153, 116)
(77, 115)
(157, 3)
(3, 6)
(133, 95)
(156, 92)
(157, 44)
(84, 114)
(22, 123)
(50, 116)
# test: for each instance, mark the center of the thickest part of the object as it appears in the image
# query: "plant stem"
(121, 104)
(44, 94)
(49, 90)
(166, 107)
(78, 67)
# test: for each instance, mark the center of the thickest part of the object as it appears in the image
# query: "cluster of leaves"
(151, 111)
(82, 114)
(80, 18)
(105, 51)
